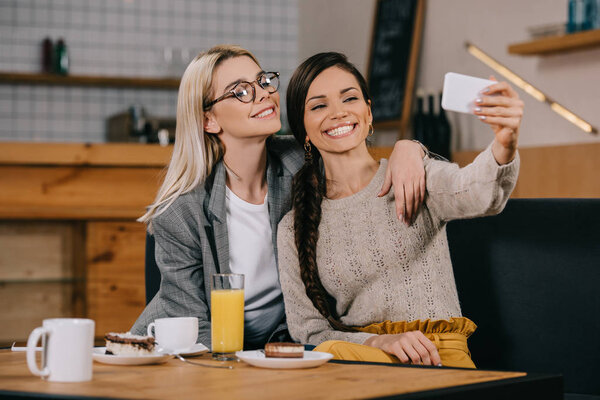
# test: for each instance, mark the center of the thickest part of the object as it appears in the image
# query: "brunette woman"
(355, 281)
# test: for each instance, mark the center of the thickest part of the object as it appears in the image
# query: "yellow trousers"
(450, 338)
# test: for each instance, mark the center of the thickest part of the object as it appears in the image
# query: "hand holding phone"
(460, 92)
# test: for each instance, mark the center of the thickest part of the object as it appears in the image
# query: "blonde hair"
(195, 152)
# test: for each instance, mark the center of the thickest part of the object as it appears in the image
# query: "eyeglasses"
(245, 91)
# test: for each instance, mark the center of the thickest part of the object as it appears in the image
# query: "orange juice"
(227, 320)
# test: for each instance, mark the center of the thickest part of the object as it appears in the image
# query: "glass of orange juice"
(227, 315)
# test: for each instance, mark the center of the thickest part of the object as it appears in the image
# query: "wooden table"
(334, 380)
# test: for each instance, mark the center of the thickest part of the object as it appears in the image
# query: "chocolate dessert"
(128, 344)
(284, 350)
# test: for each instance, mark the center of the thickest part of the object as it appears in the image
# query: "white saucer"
(193, 350)
(257, 358)
(100, 355)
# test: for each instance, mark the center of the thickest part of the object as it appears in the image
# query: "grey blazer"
(192, 241)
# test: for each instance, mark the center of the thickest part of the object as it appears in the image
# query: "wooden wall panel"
(556, 171)
(115, 274)
(26, 305)
(546, 172)
(77, 192)
(41, 274)
(36, 250)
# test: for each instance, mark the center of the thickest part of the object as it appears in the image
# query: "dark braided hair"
(309, 184)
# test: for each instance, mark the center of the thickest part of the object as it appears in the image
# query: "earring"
(371, 130)
(307, 150)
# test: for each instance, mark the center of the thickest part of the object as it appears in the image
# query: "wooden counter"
(69, 242)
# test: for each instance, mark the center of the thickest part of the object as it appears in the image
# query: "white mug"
(173, 334)
(67, 346)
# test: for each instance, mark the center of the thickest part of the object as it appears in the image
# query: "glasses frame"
(231, 93)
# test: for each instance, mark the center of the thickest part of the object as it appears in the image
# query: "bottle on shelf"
(590, 11)
(47, 52)
(419, 118)
(61, 58)
(444, 132)
(431, 131)
(576, 12)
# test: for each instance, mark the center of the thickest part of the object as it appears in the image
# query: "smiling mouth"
(340, 131)
(265, 113)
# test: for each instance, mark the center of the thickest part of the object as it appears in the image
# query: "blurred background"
(84, 82)
(156, 39)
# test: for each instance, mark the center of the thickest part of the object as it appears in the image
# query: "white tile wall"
(125, 38)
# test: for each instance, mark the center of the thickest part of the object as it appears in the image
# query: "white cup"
(67, 346)
(174, 334)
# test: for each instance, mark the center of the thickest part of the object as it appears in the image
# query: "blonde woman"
(226, 188)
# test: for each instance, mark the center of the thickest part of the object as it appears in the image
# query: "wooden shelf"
(81, 80)
(557, 44)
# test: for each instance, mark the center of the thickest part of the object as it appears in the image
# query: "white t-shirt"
(251, 253)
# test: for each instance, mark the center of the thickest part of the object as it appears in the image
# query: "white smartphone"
(460, 92)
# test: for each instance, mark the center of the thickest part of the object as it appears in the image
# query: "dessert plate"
(100, 356)
(257, 358)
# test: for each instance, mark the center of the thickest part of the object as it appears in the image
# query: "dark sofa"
(529, 279)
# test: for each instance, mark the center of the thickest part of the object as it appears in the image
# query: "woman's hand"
(410, 347)
(405, 171)
(503, 112)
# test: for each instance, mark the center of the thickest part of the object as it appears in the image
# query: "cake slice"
(128, 344)
(284, 350)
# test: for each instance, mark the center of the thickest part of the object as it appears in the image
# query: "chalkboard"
(392, 64)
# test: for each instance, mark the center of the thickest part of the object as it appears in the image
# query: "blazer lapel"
(216, 208)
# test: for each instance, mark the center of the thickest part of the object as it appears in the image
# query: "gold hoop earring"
(371, 130)
(307, 150)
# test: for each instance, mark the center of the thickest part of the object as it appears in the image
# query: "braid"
(308, 191)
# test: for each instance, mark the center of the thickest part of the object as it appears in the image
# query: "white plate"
(100, 355)
(257, 358)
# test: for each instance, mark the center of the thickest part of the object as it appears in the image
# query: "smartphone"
(460, 92)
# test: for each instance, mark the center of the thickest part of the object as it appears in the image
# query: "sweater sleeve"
(305, 322)
(478, 189)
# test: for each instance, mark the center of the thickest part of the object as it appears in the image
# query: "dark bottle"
(61, 58)
(419, 119)
(444, 132)
(590, 14)
(431, 132)
(47, 51)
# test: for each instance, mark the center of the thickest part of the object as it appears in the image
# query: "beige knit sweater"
(379, 269)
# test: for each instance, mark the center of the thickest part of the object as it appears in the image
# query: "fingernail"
(487, 89)
(481, 117)
(478, 100)
(401, 218)
(439, 365)
(477, 109)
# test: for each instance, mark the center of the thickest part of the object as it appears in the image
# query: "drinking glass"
(227, 315)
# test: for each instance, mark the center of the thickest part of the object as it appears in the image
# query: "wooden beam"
(85, 154)
(76, 192)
